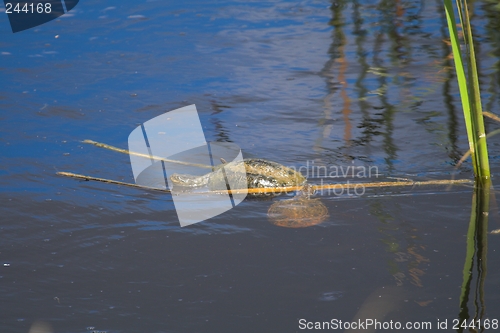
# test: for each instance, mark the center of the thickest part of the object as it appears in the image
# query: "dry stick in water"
(467, 154)
(282, 189)
(110, 181)
(157, 158)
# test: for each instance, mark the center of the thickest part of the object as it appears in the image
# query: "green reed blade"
(481, 148)
(462, 81)
(469, 88)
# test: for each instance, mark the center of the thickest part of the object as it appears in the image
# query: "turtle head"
(189, 180)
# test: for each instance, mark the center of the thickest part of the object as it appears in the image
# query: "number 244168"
(32, 8)
(485, 323)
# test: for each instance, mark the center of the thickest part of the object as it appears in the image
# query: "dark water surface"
(302, 83)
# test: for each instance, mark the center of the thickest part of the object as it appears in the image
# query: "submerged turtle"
(298, 212)
(301, 211)
(252, 173)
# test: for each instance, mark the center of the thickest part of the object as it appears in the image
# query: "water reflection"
(408, 260)
(475, 267)
(222, 134)
(389, 65)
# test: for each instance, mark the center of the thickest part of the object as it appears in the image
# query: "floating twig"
(110, 181)
(283, 189)
(152, 157)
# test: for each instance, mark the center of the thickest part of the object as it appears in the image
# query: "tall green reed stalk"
(469, 87)
(476, 256)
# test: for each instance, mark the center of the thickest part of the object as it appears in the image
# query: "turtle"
(301, 211)
(258, 173)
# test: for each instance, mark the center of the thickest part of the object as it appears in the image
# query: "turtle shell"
(299, 212)
(258, 173)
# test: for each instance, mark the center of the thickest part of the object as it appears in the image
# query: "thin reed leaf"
(469, 87)
(473, 83)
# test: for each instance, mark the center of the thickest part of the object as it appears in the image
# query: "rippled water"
(307, 83)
